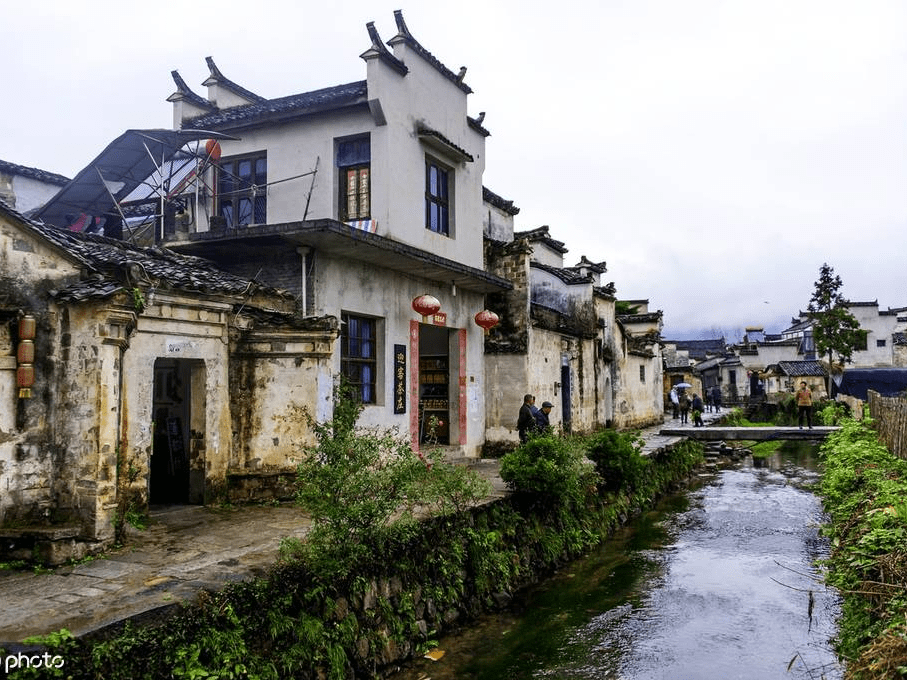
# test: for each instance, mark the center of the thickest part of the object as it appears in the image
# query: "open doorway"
(177, 459)
(434, 385)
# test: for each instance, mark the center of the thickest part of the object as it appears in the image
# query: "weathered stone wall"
(275, 378)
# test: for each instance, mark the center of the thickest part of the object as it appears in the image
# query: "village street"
(185, 549)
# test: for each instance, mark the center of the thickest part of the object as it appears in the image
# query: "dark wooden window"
(354, 163)
(242, 190)
(437, 192)
(358, 355)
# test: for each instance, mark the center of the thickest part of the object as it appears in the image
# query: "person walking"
(696, 406)
(525, 423)
(684, 404)
(804, 405)
(542, 423)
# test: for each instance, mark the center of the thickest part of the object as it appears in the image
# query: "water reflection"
(712, 584)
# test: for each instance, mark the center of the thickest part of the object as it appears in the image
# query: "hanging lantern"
(25, 353)
(25, 356)
(27, 327)
(25, 378)
(426, 305)
(487, 319)
(212, 148)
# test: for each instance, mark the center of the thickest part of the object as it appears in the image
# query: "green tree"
(835, 330)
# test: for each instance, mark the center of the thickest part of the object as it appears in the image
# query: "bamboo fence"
(890, 416)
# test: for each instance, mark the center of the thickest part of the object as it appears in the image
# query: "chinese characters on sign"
(399, 378)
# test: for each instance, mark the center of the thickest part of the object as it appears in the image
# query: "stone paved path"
(185, 549)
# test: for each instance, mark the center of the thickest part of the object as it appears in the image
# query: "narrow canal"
(715, 583)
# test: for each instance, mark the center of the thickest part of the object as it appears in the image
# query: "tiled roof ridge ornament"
(183, 90)
(378, 49)
(403, 34)
(221, 79)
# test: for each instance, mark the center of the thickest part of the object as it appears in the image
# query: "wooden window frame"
(233, 191)
(359, 355)
(354, 179)
(438, 207)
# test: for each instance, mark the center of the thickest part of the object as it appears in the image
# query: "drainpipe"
(304, 252)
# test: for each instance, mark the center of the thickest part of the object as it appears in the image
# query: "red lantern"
(25, 378)
(487, 319)
(426, 305)
(27, 327)
(212, 148)
(25, 353)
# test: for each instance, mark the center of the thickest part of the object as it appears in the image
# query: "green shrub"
(546, 469)
(617, 460)
(363, 487)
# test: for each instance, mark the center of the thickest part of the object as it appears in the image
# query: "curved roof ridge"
(185, 92)
(378, 49)
(403, 35)
(219, 78)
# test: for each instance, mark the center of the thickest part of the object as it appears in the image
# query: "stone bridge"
(718, 432)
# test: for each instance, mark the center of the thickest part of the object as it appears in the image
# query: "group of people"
(532, 419)
(684, 404)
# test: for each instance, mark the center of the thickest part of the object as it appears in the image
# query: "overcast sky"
(713, 152)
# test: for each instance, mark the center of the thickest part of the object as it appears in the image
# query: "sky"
(714, 153)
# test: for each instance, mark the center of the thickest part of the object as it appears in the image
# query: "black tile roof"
(111, 263)
(507, 206)
(541, 234)
(568, 276)
(293, 106)
(33, 173)
(800, 368)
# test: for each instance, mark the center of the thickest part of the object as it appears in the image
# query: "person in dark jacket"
(541, 417)
(525, 423)
(696, 407)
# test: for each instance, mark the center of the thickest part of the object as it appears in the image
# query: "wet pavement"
(184, 550)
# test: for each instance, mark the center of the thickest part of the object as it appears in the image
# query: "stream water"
(716, 583)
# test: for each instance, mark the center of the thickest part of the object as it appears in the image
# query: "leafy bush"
(547, 469)
(364, 487)
(617, 460)
(832, 412)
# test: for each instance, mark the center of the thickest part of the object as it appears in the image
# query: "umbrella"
(683, 385)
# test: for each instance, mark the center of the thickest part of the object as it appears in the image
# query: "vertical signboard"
(399, 378)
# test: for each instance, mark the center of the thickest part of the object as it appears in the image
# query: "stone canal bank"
(185, 550)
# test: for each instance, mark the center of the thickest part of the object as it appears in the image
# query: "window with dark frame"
(437, 192)
(880, 343)
(358, 355)
(242, 190)
(354, 163)
(642, 374)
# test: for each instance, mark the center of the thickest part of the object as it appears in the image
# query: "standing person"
(684, 403)
(541, 417)
(674, 401)
(804, 405)
(696, 405)
(526, 420)
(716, 398)
(707, 398)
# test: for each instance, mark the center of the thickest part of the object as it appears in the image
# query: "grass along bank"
(864, 489)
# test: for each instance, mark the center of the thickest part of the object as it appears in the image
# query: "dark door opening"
(169, 469)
